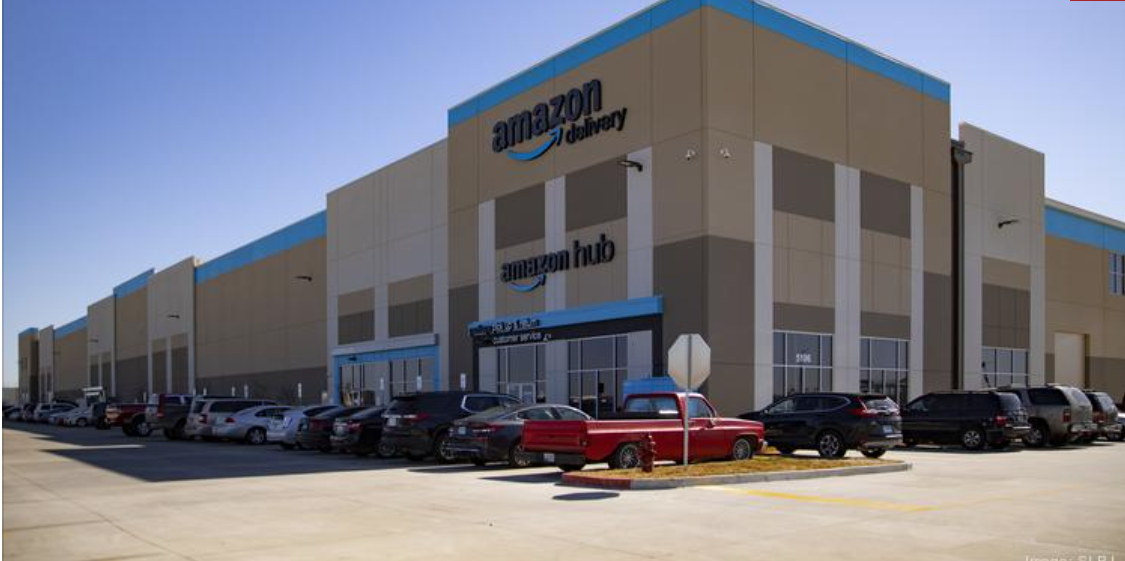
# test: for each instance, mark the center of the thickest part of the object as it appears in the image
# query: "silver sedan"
(248, 425)
(283, 428)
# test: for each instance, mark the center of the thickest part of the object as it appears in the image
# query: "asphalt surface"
(82, 494)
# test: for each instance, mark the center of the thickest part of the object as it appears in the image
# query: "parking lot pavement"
(83, 494)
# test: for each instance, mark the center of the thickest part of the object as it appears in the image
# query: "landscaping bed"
(760, 468)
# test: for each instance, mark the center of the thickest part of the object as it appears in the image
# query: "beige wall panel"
(938, 235)
(805, 234)
(132, 325)
(499, 174)
(935, 145)
(730, 188)
(887, 283)
(1064, 257)
(677, 190)
(410, 257)
(605, 282)
(781, 275)
(99, 326)
(1006, 273)
(304, 345)
(268, 280)
(800, 97)
(781, 228)
(410, 195)
(355, 271)
(207, 312)
(519, 216)
(677, 75)
(1114, 337)
(305, 301)
(463, 247)
(355, 230)
(867, 286)
(464, 164)
(728, 73)
(71, 372)
(805, 271)
(884, 126)
(626, 75)
(410, 290)
(828, 280)
(356, 302)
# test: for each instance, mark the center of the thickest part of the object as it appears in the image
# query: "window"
(802, 363)
(1003, 367)
(651, 405)
(536, 414)
(885, 367)
(1047, 396)
(787, 406)
(596, 373)
(522, 372)
(698, 409)
(569, 414)
(1116, 273)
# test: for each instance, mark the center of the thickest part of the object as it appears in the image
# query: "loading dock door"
(1070, 359)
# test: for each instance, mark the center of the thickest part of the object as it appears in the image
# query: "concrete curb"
(580, 480)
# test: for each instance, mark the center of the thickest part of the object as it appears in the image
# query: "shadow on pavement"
(588, 496)
(156, 459)
(551, 477)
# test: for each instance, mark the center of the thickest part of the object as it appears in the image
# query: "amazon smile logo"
(570, 118)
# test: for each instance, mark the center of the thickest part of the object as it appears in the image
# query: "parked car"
(417, 425)
(78, 417)
(973, 419)
(832, 423)
(1058, 415)
(573, 444)
(283, 427)
(246, 425)
(215, 409)
(1105, 416)
(57, 416)
(361, 433)
(27, 412)
(315, 433)
(43, 411)
(130, 417)
(496, 435)
(10, 412)
(167, 412)
(97, 416)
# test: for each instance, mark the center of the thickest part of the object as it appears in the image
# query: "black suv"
(972, 419)
(831, 423)
(417, 425)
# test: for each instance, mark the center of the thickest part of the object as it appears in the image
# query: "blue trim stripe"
(30, 331)
(1062, 224)
(132, 285)
(427, 351)
(666, 12)
(76, 325)
(587, 314)
(315, 226)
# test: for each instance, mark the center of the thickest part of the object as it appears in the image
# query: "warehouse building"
(705, 166)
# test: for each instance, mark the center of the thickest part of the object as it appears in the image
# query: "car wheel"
(830, 445)
(443, 454)
(627, 456)
(256, 436)
(287, 446)
(972, 439)
(385, 451)
(1001, 444)
(873, 453)
(742, 450)
(517, 456)
(785, 450)
(571, 467)
(1037, 436)
(81, 423)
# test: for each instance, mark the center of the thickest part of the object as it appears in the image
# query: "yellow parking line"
(841, 501)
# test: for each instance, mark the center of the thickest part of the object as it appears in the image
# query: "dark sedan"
(315, 433)
(495, 435)
(361, 434)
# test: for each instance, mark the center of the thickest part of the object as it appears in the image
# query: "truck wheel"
(256, 436)
(829, 444)
(627, 456)
(142, 428)
(742, 450)
(873, 453)
(973, 439)
(1038, 435)
(518, 457)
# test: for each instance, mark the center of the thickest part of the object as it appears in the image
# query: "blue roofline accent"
(1063, 224)
(315, 226)
(636, 307)
(30, 330)
(76, 325)
(132, 285)
(666, 12)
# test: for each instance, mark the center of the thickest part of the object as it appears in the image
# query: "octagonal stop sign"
(689, 361)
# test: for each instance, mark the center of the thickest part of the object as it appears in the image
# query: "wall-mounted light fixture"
(626, 163)
(306, 278)
(724, 152)
(689, 155)
(1007, 222)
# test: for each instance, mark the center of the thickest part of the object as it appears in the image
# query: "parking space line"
(840, 501)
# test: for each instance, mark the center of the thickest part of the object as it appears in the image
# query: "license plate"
(462, 430)
(392, 422)
(549, 457)
(887, 429)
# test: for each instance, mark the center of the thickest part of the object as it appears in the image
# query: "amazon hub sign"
(516, 273)
(571, 117)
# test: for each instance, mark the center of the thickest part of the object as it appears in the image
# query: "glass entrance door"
(597, 373)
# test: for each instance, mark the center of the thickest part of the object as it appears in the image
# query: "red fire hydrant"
(648, 453)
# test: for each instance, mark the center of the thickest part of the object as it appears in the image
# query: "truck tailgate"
(554, 436)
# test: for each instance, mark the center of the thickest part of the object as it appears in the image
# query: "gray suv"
(1058, 415)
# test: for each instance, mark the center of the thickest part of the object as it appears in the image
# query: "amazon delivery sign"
(571, 117)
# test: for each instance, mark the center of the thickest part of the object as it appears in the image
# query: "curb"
(579, 480)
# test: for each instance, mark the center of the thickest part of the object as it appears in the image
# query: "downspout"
(960, 158)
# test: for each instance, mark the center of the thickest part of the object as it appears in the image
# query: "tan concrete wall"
(171, 314)
(47, 363)
(28, 366)
(71, 373)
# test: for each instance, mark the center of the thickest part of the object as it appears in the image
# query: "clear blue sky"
(137, 133)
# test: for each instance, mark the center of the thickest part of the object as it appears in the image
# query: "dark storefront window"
(885, 367)
(597, 373)
(522, 372)
(802, 363)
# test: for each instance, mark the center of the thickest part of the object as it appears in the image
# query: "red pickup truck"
(130, 417)
(573, 444)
